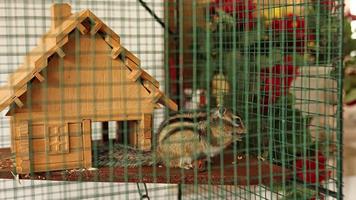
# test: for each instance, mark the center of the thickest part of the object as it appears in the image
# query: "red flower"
(311, 167)
(290, 25)
(276, 80)
(243, 9)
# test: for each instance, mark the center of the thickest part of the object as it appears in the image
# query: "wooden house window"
(58, 139)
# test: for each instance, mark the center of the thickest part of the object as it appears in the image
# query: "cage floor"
(246, 173)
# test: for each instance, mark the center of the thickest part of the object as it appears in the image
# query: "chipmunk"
(183, 138)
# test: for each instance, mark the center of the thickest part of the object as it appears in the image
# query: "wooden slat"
(147, 144)
(38, 131)
(156, 96)
(116, 52)
(133, 137)
(22, 149)
(39, 117)
(163, 98)
(18, 102)
(146, 125)
(13, 133)
(135, 74)
(20, 90)
(42, 158)
(75, 129)
(87, 143)
(82, 29)
(130, 64)
(134, 66)
(149, 86)
(133, 58)
(148, 77)
(168, 102)
(57, 166)
(60, 52)
(22, 130)
(111, 42)
(104, 28)
(39, 77)
(41, 62)
(22, 165)
(96, 28)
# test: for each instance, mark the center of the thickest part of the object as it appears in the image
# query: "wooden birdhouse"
(79, 73)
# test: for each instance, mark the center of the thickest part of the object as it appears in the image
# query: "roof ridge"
(52, 41)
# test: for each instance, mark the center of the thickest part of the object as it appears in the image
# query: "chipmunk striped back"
(188, 136)
(198, 122)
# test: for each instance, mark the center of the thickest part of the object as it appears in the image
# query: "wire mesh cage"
(225, 99)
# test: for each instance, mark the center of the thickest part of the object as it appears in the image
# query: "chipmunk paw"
(185, 163)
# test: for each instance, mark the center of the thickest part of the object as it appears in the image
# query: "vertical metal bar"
(339, 116)
(179, 193)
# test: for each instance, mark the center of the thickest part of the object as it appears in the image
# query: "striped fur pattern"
(186, 137)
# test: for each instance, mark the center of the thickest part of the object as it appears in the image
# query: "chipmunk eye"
(237, 121)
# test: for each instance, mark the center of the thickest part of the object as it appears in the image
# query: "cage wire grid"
(275, 64)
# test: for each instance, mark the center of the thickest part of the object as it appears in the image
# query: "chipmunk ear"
(219, 112)
(222, 110)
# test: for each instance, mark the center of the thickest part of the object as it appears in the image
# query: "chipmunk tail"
(124, 156)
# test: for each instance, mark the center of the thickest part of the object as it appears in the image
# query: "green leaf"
(351, 96)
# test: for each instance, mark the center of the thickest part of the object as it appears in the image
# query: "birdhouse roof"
(51, 43)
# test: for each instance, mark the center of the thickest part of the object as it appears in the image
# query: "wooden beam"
(111, 42)
(146, 124)
(116, 52)
(135, 74)
(39, 77)
(132, 57)
(6, 94)
(87, 143)
(149, 86)
(163, 99)
(18, 102)
(42, 62)
(169, 103)
(96, 28)
(82, 29)
(105, 28)
(155, 93)
(156, 96)
(60, 52)
(144, 140)
(133, 66)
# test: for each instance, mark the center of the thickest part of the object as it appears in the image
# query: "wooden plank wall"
(93, 85)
